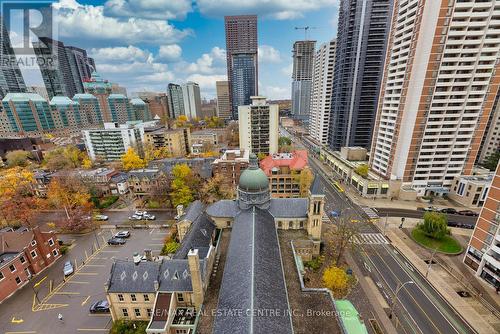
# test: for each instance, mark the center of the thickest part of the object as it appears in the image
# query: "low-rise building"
(471, 190)
(283, 171)
(200, 166)
(483, 251)
(230, 165)
(98, 179)
(209, 139)
(113, 141)
(142, 182)
(177, 141)
(23, 254)
(118, 184)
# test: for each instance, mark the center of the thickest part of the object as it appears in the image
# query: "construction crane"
(306, 29)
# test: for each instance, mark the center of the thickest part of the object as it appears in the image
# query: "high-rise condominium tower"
(65, 75)
(192, 99)
(439, 87)
(223, 100)
(361, 45)
(11, 78)
(321, 95)
(241, 51)
(303, 60)
(175, 100)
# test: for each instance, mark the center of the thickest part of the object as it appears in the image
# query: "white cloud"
(287, 70)
(120, 54)
(87, 22)
(268, 54)
(169, 52)
(209, 63)
(148, 9)
(207, 82)
(275, 92)
(277, 9)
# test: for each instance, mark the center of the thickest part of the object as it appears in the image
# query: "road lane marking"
(16, 321)
(89, 274)
(157, 239)
(85, 300)
(100, 258)
(66, 293)
(39, 282)
(92, 329)
(77, 282)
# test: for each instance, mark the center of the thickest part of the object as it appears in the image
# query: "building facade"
(430, 123)
(302, 75)
(157, 104)
(471, 190)
(24, 254)
(223, 100)
(242, 59)
(11, 78)
(101, 89)
(175, 100)
(66, 113)
(483, 251)
(321, 96)
(140, 110)
(283, 171)
(113, 141)
(491, 140)
(192, 100)
(177, 141)
(361, 46)
(230, 165)
(90, 109)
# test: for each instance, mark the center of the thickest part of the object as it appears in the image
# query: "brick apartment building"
(23, 254)
(231, 164)
(283, 171)
(483, 252)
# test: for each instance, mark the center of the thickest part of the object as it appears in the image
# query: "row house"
(23, 254)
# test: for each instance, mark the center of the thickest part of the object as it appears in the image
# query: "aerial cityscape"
(259, 166)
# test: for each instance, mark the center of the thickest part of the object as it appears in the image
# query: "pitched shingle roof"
(223, 208)
(289, 207)
(198, 236)
(253, 279)
(126, 276)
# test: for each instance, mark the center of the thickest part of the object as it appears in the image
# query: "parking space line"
(85, 300)
(66, 293)
(154, 245)
(77, 282)
(92, 330)
(95, 265)
(100, 258)
(25, 332)
(110, 251)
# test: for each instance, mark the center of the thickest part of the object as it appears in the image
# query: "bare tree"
(346, 228)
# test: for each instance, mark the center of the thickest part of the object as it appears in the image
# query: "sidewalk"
(480, 318)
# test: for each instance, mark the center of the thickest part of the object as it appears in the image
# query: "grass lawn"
(446, 245)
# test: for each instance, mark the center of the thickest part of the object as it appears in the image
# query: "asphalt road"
(73, 298)
(418, 308)
(453, 220)
(115, 217)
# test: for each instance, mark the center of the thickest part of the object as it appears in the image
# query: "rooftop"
(21, 97)
(296, 160)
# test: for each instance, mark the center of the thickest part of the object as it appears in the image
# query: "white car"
(147, 216)
(135, 217)
(122, 234)
(68, 268)
(101, 217)
(139, 213)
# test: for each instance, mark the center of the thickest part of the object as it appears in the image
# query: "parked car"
(135, 217)
(122, 234)
(68, 268)
(116, 241)
(468, 213)
(101, 217)
(449, 211)
(101, 306)
(147, 216)
(430, 208)
(139, 213)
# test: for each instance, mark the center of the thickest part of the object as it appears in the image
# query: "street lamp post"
(430, 262)
(395, 296)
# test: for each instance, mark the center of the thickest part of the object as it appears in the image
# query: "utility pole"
(395, 296)
(430, 262)
(385, 225)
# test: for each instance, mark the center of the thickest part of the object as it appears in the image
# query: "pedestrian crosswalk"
(370, 238)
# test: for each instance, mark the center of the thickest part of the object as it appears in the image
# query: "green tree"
(132, 160)
(283, 141)
(362, 170)
(435, 225)
(336, 280)
(18, 158)
(491, 161)
(181, 192)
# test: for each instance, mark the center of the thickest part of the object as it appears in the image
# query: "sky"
(146, 44)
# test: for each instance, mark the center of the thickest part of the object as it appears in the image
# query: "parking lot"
(28, 312)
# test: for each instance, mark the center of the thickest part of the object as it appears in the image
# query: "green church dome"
(253, 178)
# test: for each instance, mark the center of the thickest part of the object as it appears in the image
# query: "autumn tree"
(17, 203)
(181, 193)
(181, 121)
(216, 189)
(345, 230)
(18, 158)
(336, 280)
(65, 157)
(160, 190)
(362, 170)
(132, 160)
(214, 122)
(154, 153)
(73, 196)
(305, 180)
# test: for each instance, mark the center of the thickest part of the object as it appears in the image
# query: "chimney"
(196, 279)
(180, 210)
(106, 286)
(156, 285)
(148, 254)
